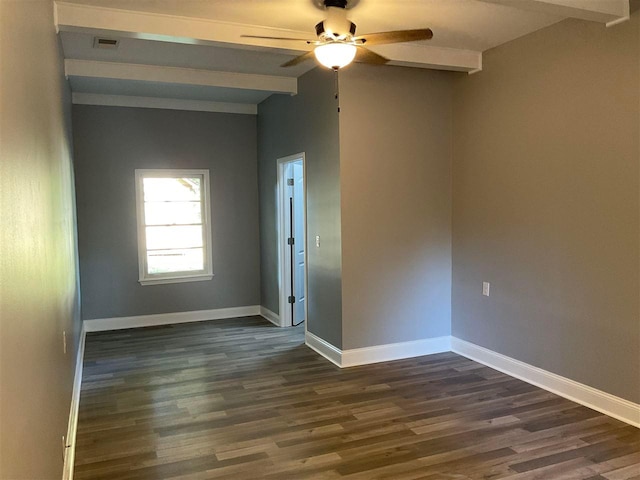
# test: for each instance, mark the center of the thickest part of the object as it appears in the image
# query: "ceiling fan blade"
(279, 38)
(398, 36)
(364, 55)
(299, 59)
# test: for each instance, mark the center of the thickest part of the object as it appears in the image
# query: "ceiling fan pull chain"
(337, 96)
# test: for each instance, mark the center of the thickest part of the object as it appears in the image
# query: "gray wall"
(545, 203)
(39, 297)
(395, 161)
(307, 122)
(110, 143)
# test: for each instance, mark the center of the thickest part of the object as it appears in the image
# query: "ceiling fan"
(337, 46)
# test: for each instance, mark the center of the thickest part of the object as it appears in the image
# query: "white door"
(298, 243)
(292, 240)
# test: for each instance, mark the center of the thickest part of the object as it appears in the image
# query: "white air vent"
(108, 43)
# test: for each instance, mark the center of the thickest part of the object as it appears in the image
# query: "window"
(174, 226)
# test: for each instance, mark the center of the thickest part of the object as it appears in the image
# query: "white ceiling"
(209, 37)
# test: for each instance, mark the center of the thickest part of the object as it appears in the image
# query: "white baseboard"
(269, 315)
(395, 351)
(378, 353)
(603, 402)
(324, 348)
(119, 323)
(70, 439)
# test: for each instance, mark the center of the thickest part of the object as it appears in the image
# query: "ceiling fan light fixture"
(335, 55)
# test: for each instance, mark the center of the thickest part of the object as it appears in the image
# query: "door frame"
(284, 271)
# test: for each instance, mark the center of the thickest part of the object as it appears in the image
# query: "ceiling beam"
(188, 30)
(609, 12)
(177, 75)
(438, 58)
(164, 103)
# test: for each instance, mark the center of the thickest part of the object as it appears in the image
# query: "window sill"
(164, 280)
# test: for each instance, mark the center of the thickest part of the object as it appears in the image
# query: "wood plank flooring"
(242, 399)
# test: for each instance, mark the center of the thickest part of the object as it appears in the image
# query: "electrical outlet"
(64, 342)
(486, 286)
(317, 241)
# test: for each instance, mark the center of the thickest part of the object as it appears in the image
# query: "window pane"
(172, 213)
(165, 261)
(173, 237)
(172, 189)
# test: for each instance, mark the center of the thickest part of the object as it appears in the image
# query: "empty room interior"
(320, 239)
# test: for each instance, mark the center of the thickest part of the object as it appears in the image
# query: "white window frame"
(205, 199)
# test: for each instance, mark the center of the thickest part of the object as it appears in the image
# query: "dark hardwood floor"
(242, 399)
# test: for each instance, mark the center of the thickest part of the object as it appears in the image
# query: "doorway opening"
(292, 240)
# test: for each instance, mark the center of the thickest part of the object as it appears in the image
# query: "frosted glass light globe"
(335, 55)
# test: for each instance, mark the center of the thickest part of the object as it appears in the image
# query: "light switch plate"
(486, 286)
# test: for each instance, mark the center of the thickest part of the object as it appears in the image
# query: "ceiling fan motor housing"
(336, 26)
(322, 32)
